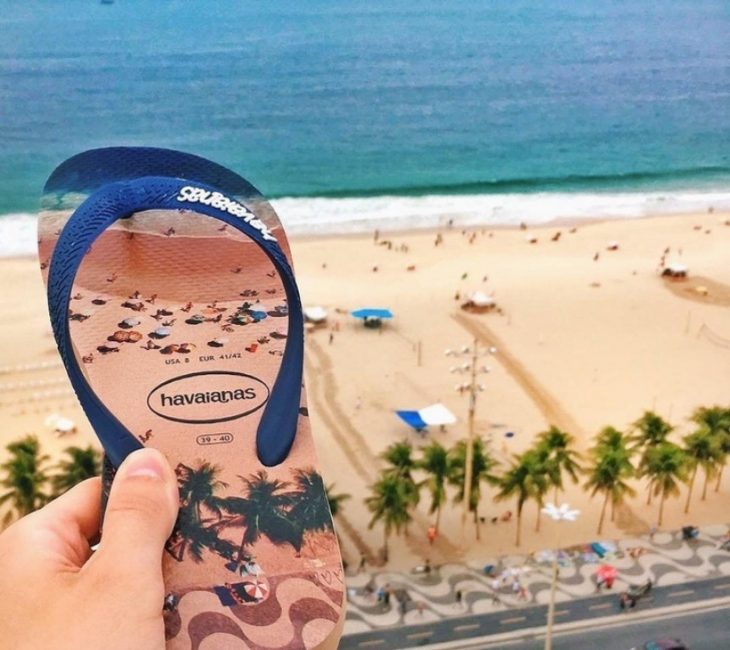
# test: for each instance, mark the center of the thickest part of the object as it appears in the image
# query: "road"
(473, 627)
(699, 630)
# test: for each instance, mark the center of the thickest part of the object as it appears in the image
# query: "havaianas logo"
(220, 396)
(190, 194)
(207, 397)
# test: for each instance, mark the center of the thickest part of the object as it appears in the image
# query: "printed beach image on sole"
(179, 324)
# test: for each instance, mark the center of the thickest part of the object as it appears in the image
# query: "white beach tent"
(481, 299)
(315, 314)
(434, 415)
(437, 415)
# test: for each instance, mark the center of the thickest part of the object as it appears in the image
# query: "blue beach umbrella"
(372, 312)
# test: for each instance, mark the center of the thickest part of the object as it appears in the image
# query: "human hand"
(56, 594)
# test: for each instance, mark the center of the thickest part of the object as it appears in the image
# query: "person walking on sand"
(431, 534)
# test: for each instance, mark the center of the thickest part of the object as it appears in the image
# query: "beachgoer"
(431, 534)
(420, 606)
(59, 592)
(362, 564)
(427, 567)
(332, 337)
(459, 595)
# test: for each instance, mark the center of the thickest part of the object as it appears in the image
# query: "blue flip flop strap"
(278, 424)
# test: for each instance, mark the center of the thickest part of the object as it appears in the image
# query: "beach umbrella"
(257, 589)
(372, 312)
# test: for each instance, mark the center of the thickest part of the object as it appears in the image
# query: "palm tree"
(80, 463)
(311, 509)
(482, 466)
(524, 480)
(611, 467)
(435, 462)
(715, 421)
(560, 455)
(194, 531)
(335, 501)
(666, 466)
(198, 489)
(650, 430)
(264, 510)
(390, 502)
(703, 450)
(25, 477)
(401, 464)
(724, 437)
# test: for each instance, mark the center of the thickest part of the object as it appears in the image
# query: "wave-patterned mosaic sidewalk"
(426, 597)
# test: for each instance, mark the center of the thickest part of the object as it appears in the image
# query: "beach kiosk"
(675, 271)
(479, 303)
(433, 415)
(372, 317)
(316, 315)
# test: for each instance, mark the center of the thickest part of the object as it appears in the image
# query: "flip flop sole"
(177, 322)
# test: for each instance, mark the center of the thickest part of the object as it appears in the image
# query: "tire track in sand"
(324, 396)
(320, 377)
(551, 409)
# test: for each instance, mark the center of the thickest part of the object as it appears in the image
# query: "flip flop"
(154, 248)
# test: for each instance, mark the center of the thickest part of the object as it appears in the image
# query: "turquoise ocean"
(355, 115)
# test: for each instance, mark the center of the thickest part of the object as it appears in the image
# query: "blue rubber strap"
(278, 424)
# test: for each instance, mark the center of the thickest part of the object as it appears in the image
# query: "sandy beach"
(584, 336)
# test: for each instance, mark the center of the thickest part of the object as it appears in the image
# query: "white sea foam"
(18, 234)
(303, 216)
(317, 216)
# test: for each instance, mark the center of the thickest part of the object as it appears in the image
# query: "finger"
(139, 516)
(78, 510)
(62, 531)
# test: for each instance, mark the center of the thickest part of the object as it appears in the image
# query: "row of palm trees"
(30, 481)
(285, 512)
(616, 458)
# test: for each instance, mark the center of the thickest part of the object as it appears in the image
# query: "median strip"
(601, 606)
(420, 635)
(684, 592)
(466, 628)
(367, 644)
(514, 619)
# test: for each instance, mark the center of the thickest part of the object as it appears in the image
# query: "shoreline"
(557, 222)
(324, 217)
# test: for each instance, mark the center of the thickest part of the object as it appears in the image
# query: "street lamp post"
(558, 514)
(473, 388)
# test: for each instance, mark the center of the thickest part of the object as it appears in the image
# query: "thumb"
(140, 514)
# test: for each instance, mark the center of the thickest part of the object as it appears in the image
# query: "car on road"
(662, 644)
